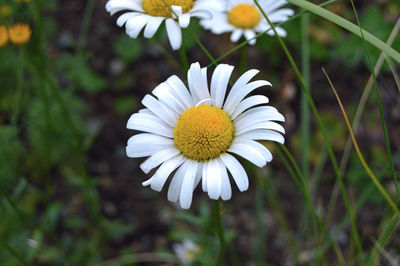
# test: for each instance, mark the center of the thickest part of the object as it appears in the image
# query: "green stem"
(15, 253)
(243, 59)
(328, 15)
(20, 78)
(85, 26)
(219, 231)
(184, 59)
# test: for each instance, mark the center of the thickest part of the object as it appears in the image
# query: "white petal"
(185, 197)
(152, 26)
(176, 11)
(174, 33)
(219, 83)
(175, 186)
(165, 95)
(250, 153)
(184, 20)
(160, 110)
(180, 91)
(125, 17)
(248, 103)
(119, 5)
(202, 14)
(237, 171)
(135, 25)
(258, 114)
(163, 172)
(151, 124)
(236, 34)
(198, 83)
(204, 178)
(238, 97)
(226, 192)
(239, 84)
(259, 125)
(198, 175)
(158, 158)
(262, 134)
(214, 183)
(142, 145)
(249, 35)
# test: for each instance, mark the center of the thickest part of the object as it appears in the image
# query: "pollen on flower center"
(244, 16)
(203, 132)
(158, 8)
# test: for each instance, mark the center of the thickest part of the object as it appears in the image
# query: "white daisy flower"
(186, 251)
(195, 131)
(243, 18)
(149, 14)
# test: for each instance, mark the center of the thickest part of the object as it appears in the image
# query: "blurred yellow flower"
(19, 33)
(3, 35)
(5, 10)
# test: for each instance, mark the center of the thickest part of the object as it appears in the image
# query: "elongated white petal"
(238, 97)
(237, 171)
(160, 110)
(198, 83)
(239, 130)
(125, 17)
(219, 83)
(115, 6)
(142, 145)
(249, 35)
(236, 34)
(199, 174)
(185, 197)
(175, 186)
(158, 158)
(262, 134)
(214, 183)
(174, 33)
(163, 172)
(226, 192)
(184, 20)
(239, 84)
(152, 26)
(258, 114)
(180, 91)
(252, 152)
(151, 124)
(166, 96)
(248, 103)
(135, 25)
(204, 178)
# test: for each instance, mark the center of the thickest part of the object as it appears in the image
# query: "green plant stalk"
(184, 59)
(361, 157)
(321, 126)
(300, 182)
(219, 231)
(243, 59)
(305, 111)
(20, 80)
(328, 15)
(87, 16)
(261, 230)
(378, 94)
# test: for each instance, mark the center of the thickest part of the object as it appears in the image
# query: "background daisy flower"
(243, 18)
(3, 35)
(19, 33)
(195, 131)
(149, 14)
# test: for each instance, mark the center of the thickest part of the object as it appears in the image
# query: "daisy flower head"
(243, 18)
(149, 14)
(196, 131)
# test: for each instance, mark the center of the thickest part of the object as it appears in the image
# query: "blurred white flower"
(149, 14)
(186, 251)
(243, 18)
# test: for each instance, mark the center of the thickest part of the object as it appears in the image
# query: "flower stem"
(184, 59)
(219, 231)
(243, 59)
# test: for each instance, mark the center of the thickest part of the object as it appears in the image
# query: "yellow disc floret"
(157, 8)
(244, 16)
(3, 35)
(19, 33)
(203, 132)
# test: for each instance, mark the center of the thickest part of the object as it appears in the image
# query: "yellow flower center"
(3, 36)
(203, 132)
(244, 16)
(19, 33)
(157, 8)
